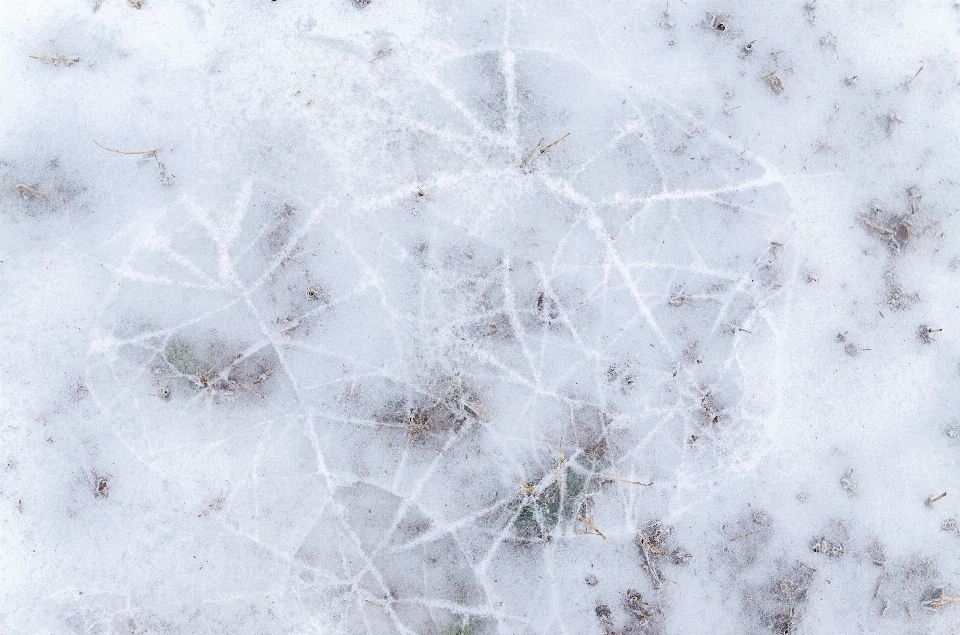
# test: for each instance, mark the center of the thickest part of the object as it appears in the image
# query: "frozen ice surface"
(449, 318)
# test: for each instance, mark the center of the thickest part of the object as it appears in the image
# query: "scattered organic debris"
(653, 543)
(216, 505)
(896, 230)
(317, 293)
(680, 299)
(711, 413)
(899, 299)
(237, 373)
(465, 626)
(564, 495)
(850, 349)
(754, 528)
(101, 484)
(424, 416)
(925, 334)
(787, 594)
(877, 557)
(846, 482)
(541, 508)
(638, 608)
(784, 622)
(831, 541)
(831, 548)
(890, 121)
(774, 82)
(640, 616)
(604, 613)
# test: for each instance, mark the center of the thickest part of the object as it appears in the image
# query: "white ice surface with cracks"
(477, 317)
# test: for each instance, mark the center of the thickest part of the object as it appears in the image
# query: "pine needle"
(542, 150)
(527, 158)
(915, 75)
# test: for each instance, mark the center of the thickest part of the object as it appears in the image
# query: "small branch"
(544, 149)
(934, 499)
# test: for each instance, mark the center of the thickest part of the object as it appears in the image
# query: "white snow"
(454, 318)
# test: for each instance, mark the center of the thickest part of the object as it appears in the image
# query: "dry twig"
(23, 189)
(623, 480)
(915, 75)
(57, 60)
(381, 55)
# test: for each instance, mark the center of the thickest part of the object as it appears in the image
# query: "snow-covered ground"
(456, 318)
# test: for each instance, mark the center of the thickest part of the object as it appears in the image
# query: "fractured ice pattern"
(491, 323)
